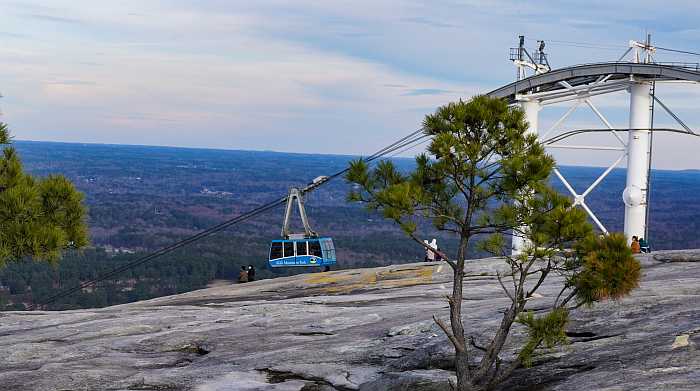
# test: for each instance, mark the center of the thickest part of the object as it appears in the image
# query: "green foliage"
(4, 134)
(546, 218)
(39, 217)
(606, 269)
(487, 178)
(395, 194)
(482, 159)
(548, 330)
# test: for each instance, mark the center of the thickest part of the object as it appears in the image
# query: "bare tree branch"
(568, 298)
(473, 343)
(561, 292)
(446, 329)
(500, 281)
(543, 275)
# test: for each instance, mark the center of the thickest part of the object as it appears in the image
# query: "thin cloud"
(429, 22)
(13, 35)
(72, 83)
(427, 91)
(55, 19)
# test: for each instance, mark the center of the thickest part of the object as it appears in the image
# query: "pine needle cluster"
(606, 269)
(39, 217)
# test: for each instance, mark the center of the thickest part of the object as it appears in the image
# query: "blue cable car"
(302, 249)
(302, 252)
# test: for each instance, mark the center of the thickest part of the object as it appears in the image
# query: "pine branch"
(500, 281)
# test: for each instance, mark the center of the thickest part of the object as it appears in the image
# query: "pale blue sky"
(308, 76)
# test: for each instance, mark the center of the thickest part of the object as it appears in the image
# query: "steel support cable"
(671, 113)
(413, 141)
(163, 251)
(407, 146)
(401, 143)
(678, 51)
(647, 209)
(418, 142)
(590, 45)
(576, 132)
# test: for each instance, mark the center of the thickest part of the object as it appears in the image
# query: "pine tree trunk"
(462, 371)
(461, 352)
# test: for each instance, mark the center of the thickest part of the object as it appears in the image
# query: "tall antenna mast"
(642, 52)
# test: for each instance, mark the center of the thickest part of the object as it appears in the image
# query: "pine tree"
(485, 179)
(39, 217)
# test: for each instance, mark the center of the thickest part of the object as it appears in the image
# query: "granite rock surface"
(362, 329)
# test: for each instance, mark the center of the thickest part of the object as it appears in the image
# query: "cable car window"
(288, 249)
(301, 248)
(315, 248)
(276, 250)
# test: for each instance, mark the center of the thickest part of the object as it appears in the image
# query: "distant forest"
(143, 198)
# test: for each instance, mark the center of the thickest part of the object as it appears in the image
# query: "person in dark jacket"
(251, 273)
(243, 275)
(644, 245)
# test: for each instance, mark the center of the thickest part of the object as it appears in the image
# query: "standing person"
(438, 257)
(243, 275)
(636, 249)
(251, 273)
(430, 250)
(429, 254)
(644, 245)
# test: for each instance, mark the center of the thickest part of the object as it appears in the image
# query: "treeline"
(28, 282)
(192, 267)
(144, 198)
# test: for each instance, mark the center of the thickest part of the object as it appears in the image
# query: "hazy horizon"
(312, 77)
(215, 149)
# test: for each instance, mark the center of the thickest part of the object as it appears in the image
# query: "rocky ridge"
(362, 329)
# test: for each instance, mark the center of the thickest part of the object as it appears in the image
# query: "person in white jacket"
(430, 254)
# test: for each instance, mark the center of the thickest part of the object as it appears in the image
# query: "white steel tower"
(577, 85)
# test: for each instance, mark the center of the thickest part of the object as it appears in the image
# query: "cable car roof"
(302, 239)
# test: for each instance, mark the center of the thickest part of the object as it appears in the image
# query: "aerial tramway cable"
(576, 132)
(163, 251)
(652, 108)
(403, 142)
(678, 51)
(593, 45)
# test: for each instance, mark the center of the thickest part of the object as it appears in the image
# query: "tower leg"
(532, 110)
(634, 195)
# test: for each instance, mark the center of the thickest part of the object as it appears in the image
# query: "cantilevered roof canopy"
(589, 73)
